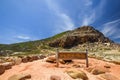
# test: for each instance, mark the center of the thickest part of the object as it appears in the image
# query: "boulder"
(7, 65)
(107, 66)
(42, 56)
(17, 60)
(65, 61)
(55, 77)
(20, 77)
(77, 74)
(62, 61)
(2, 69)
(2, 61)
(98, 70)
(9, 59)
(35, 57)
(29, 58)
(24, 60)
(51, 59)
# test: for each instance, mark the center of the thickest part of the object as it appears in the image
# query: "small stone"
(35, 57)
(107, 66)
(55, 77)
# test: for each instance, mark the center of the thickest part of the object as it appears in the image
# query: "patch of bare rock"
(20, 77)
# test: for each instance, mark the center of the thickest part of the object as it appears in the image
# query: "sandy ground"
(41, 70)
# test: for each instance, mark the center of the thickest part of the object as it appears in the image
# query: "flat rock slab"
(77, 74)
(20, 77)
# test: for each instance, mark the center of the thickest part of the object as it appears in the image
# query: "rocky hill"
(67, 39)
(85, 34)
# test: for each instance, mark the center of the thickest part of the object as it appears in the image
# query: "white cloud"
(90, 14)
(23, 37)
(89, 19)
(64, 23)
(111, 29)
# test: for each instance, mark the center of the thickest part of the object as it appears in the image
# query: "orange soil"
(41, 70)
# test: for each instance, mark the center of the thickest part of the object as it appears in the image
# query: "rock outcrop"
(77, 74)
(85, 34)
(2, 69)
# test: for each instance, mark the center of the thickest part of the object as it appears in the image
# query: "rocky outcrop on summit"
(79, 36)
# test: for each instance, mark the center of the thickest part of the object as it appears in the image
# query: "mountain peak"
(80, 35)
(86, 27)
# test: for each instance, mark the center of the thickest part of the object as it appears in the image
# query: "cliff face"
(80, 35)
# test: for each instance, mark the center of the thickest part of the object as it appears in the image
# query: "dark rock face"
(79, 36)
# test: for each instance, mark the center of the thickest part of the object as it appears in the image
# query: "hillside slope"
(30, 46)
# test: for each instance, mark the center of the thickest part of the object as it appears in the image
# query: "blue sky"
(27, 20)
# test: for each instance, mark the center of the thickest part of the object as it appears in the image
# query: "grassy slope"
(30, 45)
